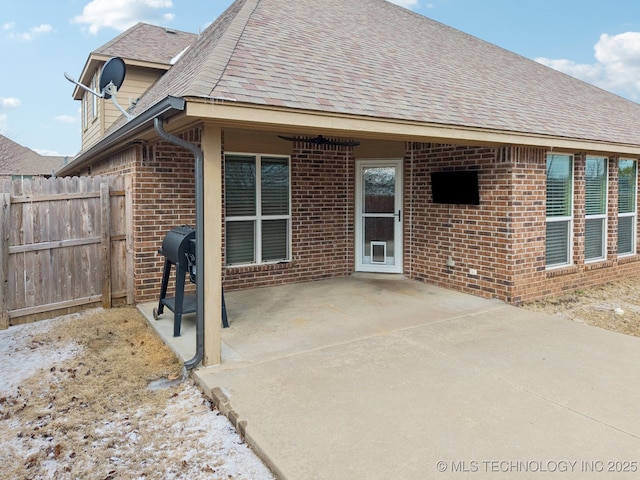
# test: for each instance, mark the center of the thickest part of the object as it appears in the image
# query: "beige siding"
(137, 81)
(93, 131)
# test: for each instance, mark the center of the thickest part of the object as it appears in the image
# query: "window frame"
(94, 103)
(258, 218)
(603, 216)
(634, 214)
(85, 110)
(565, 219)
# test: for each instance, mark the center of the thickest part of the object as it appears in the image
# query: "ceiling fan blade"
(343, 143)
(320, 140)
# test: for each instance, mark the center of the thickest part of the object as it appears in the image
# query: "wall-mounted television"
(456, 187)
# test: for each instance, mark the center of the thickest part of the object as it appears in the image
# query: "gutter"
(165, 108)
(200, 278)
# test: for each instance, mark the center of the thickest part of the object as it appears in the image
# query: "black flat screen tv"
(455, 187)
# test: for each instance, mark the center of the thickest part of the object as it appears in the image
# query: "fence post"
(128, 213)
(5, 202)
(105, 224)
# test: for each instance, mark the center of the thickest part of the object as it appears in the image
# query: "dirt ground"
(614, 306)
(98, 395)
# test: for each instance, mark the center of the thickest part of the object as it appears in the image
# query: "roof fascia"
(229, 112)
(167, 107)
(87, 72)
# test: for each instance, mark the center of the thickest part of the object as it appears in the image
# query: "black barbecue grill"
(178, 247)
(179, 250)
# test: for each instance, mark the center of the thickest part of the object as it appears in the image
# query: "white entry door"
(379, 216)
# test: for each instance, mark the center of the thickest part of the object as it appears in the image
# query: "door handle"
(399, 215)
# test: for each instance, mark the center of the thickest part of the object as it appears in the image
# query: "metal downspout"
(199, 170)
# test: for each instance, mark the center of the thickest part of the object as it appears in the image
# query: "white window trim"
(257, 219)
(85, 110)
(570, 219)
(94, 105)
(605, 216)
(634, 230)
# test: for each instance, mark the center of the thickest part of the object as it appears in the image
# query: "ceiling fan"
(320, 140)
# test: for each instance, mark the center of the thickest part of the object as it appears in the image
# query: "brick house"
(377, 106)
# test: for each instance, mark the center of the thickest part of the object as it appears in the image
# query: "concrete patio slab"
(371, 377)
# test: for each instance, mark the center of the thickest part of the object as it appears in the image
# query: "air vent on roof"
(168, 30)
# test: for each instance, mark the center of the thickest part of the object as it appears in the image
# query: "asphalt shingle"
(374, 58)
(18, 160)
(148, 43)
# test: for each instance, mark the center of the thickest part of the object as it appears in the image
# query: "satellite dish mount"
(111, 79)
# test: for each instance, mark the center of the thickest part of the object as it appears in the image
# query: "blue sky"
(593, 40)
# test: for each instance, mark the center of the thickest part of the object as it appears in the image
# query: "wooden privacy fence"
(65, 243)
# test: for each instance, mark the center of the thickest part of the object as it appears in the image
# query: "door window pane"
(379, 231)
(379, 189)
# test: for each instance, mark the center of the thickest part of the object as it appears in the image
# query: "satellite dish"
(112, 76)
(111, 79)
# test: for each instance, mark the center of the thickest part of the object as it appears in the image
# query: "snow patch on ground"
(184, 439)
(24, 351)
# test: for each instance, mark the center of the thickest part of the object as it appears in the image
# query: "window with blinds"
(257, 209)
(559, 209)
(595, 240)
(627, 209)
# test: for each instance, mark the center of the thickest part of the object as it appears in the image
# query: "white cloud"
(6, 104)
(617, 66)
(8, 25)
(122, 14)
(9, 102)
(31, 34)
(65, 118)
(405, 3)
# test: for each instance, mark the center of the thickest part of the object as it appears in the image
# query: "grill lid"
(177, 244)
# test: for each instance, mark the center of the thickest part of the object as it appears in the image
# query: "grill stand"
(181, 303)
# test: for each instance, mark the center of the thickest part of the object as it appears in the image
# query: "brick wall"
(474, 237)
(498, 247)
(322, 211)
(504, 237)
(527, 214)
(163, 197)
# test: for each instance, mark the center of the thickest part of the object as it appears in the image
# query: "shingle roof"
(18, 160)
(374, 58)
(148, 43)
